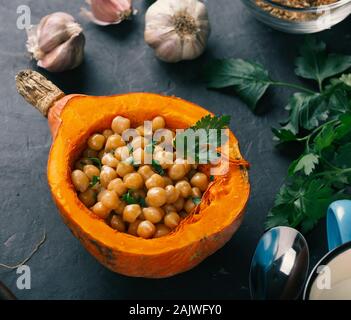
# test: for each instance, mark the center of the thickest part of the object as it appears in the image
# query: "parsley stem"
(293, 86)
(336, 172)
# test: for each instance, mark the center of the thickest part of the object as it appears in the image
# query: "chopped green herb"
(96, 161)
(130, 199)
(197, 200)
(157, 167)
(206, 123)
(212, 178)
(94, 181)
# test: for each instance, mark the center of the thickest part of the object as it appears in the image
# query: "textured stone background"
(118, 61)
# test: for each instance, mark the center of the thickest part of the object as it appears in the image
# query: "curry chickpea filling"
(145, 200)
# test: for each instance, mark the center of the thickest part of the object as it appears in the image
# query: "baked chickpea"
(122, 153)
(186, 164)
(189, 205)
(107, 174)
(199, 180)
(146, 229)
(110, 200)
(113, 142)
(196, 192)
(168, 181)
(123, 168)
(101, 154)
(153, 215)
(191, 173)
(90, 153)
(109, 160)
(118, 186)
(91, 171)
(179, 204)
(146, 172)
(133, 227)
(100, 210)
(169, 208)
(131, 212)
(164, 158)
(96, 141)
(140, 130)
(156, 197)
(172, 194)
(139, 142)
(138, 156)
(100, 194)
(81, 163)
(157, 149)
(133, 181)
(172, 220)
(120, 124)
(88, 198)
(138, 193)
(120, 208)
(177, 171)
(117, 223)
(158, 123)
(106, 133)
(161, 231)
(184, 188)
(80, 180)
(155, 181)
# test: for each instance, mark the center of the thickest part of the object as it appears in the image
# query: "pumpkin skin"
(73, 119)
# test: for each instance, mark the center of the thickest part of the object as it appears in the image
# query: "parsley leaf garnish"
(157, 167)
(129, 198)
(96, 161)
(94, 181)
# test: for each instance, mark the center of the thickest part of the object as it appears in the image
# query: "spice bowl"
(284, 15)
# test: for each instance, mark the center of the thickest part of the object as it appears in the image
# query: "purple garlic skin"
(107, 12)
(57, 42)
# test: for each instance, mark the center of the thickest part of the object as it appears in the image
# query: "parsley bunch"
(319, 123)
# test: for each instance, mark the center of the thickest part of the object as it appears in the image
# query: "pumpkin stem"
(37, 90)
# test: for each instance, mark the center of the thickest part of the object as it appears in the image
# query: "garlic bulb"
(177, 29)
(106, 12)
(57, 42)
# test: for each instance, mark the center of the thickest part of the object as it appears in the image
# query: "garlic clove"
(57, 42)
(56, 30)
(171, 49)
(177, 29)
(107, 12)
(66, 56)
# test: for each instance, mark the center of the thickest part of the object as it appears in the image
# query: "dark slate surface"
(118, 61)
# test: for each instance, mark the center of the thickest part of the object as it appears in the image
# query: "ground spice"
(291, 15)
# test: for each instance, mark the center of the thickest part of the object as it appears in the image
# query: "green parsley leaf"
(96, 161)
(314, 62)
(306, 111)
(197, 200)
(206, 124)
(94, 181)
(302, 203)
(129, 198)
(249, 80)
(157, 167)
(306, 163)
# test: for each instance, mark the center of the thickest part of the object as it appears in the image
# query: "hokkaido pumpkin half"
(73, 118)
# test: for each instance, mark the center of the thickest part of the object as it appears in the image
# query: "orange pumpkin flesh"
(73, 119)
